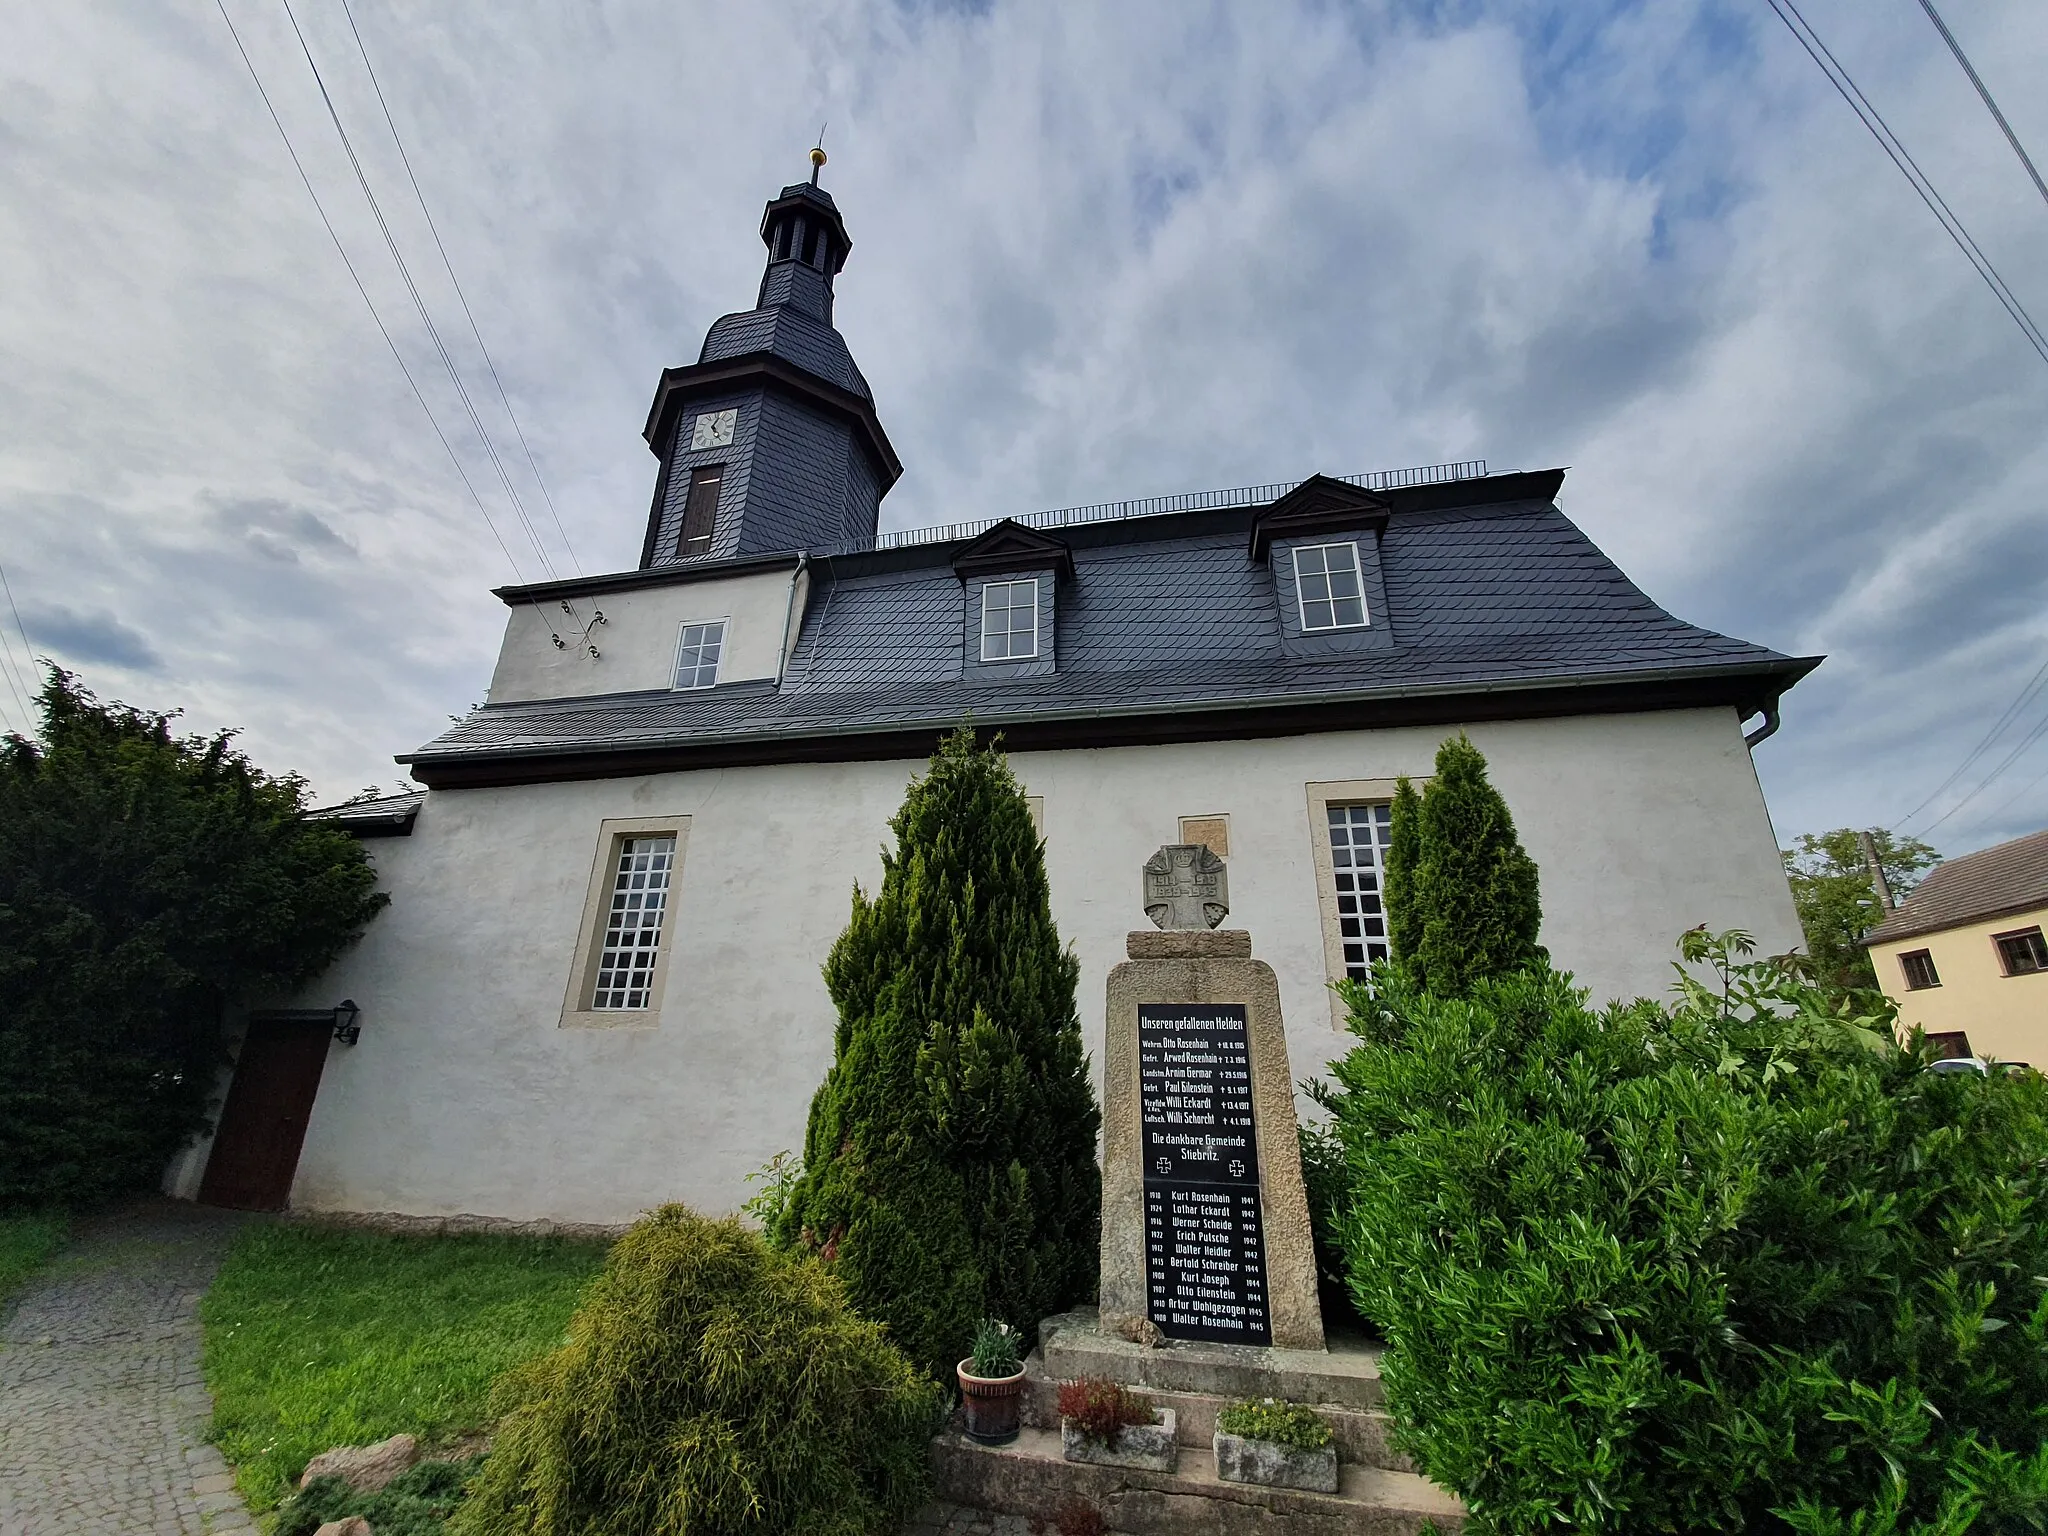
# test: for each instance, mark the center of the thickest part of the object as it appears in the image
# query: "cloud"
(89, 639)
(1099, 252)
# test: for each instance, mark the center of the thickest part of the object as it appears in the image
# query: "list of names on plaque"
(1205, 1256)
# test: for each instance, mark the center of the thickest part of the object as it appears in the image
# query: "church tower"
(769, 442)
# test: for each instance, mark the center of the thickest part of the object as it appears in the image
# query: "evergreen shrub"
(709, 1387)
(1472, 906)
(147, 881)
(1404, 853)
(949, 1165)
(1737, 1265)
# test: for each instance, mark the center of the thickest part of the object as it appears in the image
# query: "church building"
(597, 985)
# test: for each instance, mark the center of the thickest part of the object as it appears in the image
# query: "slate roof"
(2011, 877)
(1490, 591)
(788, 333)
(387, 816)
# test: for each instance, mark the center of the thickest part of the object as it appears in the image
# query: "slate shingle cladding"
(1168, 629)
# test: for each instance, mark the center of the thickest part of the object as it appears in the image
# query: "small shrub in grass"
(1099, 1407)
(1281, 1423)
(26, 1240)
(709, 1386)
(418, 1502)
(1738, 1265)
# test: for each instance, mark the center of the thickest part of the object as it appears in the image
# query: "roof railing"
(1154, 506)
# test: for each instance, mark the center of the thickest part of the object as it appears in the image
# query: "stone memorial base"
(1378, 1492)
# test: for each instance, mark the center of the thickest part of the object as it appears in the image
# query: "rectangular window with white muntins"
(1009, 620)
(1327, 581)
(697, 655)
(632, 934)
(1358, 848)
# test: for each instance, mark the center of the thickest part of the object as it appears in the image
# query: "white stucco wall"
(467, 1095)
(637, 641)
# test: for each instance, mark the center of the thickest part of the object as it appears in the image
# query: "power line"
(370, 304)
(2004, 127)
(2012, 712)
(7, 653)
(2039, 730)
(2011, 800)
(1889, 142)
(503, 397)
(419, 303)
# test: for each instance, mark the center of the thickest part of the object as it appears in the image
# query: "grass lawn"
(317, 1337)
(25, 1241)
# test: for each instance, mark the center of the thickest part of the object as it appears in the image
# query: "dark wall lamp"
(346, 1029)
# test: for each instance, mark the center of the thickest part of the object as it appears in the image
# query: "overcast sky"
(1099, 252)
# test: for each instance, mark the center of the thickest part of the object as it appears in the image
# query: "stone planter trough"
(1273, 1465)
(1147, 1446)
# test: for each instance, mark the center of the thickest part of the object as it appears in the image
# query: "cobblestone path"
(101, 1405)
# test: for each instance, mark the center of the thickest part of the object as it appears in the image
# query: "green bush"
(147, 881)
(949, 1165)
(709, 1387)
(1281, 1423)
(1404, 853)
(1740, 1265)
(1473, 909)
(418, 1502)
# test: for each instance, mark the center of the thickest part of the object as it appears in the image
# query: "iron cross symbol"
(1186, 888)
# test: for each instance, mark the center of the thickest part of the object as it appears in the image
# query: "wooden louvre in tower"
(700, 512)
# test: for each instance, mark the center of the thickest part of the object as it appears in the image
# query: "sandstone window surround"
(1348, 823)
(626, 938)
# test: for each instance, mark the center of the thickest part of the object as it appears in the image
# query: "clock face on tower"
(714, 428)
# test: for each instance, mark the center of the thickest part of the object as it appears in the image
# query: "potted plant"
(1282, 1445)
(1105, 1422)
(992, 1384)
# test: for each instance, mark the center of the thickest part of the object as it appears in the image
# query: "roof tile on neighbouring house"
(2011, 877)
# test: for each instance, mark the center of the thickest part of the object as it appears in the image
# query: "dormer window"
(1009, 620)
(697, 654)
(1331, 593)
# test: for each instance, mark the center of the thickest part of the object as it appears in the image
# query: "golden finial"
(818, 156)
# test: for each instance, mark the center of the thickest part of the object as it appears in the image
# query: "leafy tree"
(1404, 852)
(1837, 902)
(147, 881)
(1475, 909)
(1740, 1265)
(950, 1161)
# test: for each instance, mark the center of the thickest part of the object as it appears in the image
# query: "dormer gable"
(1318, 505)
(1011, 546)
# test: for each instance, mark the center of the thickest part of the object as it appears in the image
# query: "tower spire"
(818, 155)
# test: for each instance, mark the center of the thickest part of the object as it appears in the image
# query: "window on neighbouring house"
(697, 654)
(1950, 1047)
(1918, 965)
(1358, 844)
(1009, 620)
(1326, 579)
(700, 512)
(2022, 953)
(632, 934)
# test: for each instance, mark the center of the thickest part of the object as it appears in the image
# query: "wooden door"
(263, 1123)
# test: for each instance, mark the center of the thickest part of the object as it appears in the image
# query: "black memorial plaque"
(1205, 1256)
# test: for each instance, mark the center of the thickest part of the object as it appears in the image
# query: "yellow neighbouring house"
(1964, 958)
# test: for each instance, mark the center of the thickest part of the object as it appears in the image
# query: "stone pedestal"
(1231, 1010)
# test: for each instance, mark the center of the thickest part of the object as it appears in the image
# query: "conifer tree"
(1397, 891)
(1475, 888)
(950, 1161)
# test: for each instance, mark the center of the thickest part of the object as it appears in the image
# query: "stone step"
(1034, 1479)
(1361, 1433)
(1346, 1375)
